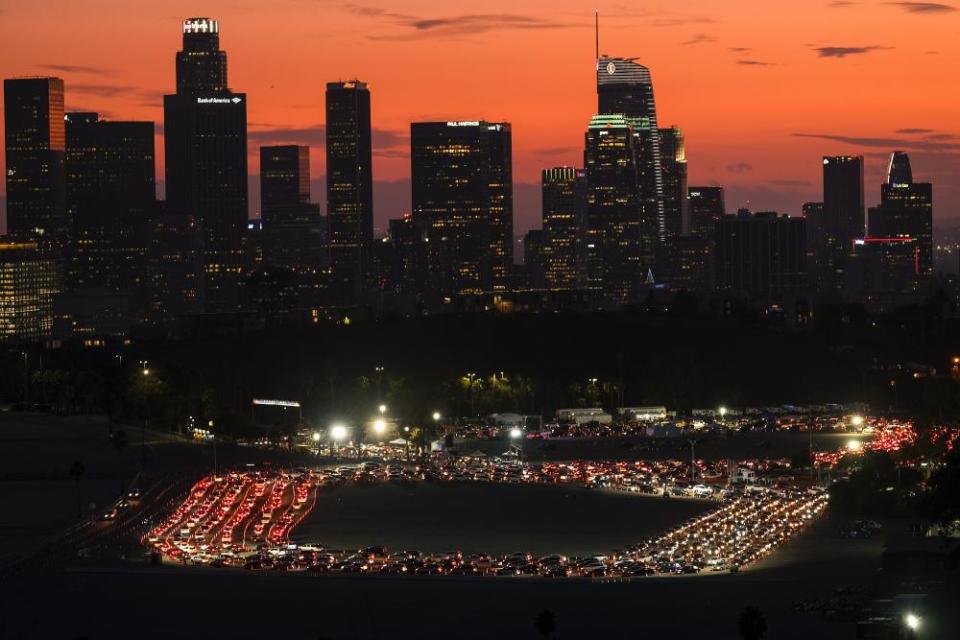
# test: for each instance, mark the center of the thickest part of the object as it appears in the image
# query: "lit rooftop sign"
(464, 123)
(200, 25)
(277, 403)
(234, 100)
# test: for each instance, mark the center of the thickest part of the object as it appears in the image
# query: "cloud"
(924, 7)
(756, 63)
(654, 17)
(101, 90)
(700, 38)
(385, 141)
(843, 52)
(914, 130)
(840, 4)
(791, 184)
(73, 68)
(415, 26)
(739, 167)
(740, 49)
(889, 143)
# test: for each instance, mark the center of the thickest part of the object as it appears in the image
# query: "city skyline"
(748, 142)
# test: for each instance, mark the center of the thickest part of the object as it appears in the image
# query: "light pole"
(26, 381)
(379, 370)
(146, 416)
(213, 443)
(316, 442)
(693, 460)
(406, 440)
(338, 432)
(516, 433)
(470, 379)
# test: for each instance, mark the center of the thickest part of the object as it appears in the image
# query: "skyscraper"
(111, 194)
(533, 259)
(564, 200)
(825, 255)
(625, 88)
(462, 188)
(706, 208)
(843, 198)
(201, 65)
(284, 184)
(673, 164)
(28, 284)
(35, 141)
(349, 187)
(906, 210)
(294, 234)
(620, 238)
(761, 256)
(205, 142)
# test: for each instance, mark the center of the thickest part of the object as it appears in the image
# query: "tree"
(752, 624)
(546, 623)
(76, 472)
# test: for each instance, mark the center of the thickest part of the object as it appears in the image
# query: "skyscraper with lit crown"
(205, 142)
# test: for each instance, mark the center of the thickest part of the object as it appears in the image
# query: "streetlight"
(853, 445)
(380, 426)
(857, 421)
(723, 413)
(516, 433)
(912, 621)
(436, 416)
(338, 432)
(383, 409)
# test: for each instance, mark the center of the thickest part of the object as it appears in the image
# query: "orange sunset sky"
(762, 88)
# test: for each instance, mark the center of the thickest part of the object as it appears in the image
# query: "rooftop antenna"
(596, 33)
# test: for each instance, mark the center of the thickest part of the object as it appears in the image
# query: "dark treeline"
(521, 363)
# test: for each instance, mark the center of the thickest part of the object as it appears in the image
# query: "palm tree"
(76, 471)
(752, 624)
(546, 623)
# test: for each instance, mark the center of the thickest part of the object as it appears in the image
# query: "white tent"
(399, 441)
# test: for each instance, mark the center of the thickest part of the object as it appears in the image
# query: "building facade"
(111, 198)
(620, 236)
(905, 210)
(349, 188)
(564, 199)
(205, 144)
(35, 152)
(625, 88)
(462, 192)
(28, 285)
(762, 256)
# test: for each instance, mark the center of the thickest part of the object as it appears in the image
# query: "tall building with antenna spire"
(624, 87)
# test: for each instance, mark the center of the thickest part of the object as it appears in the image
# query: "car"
(856, 533)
